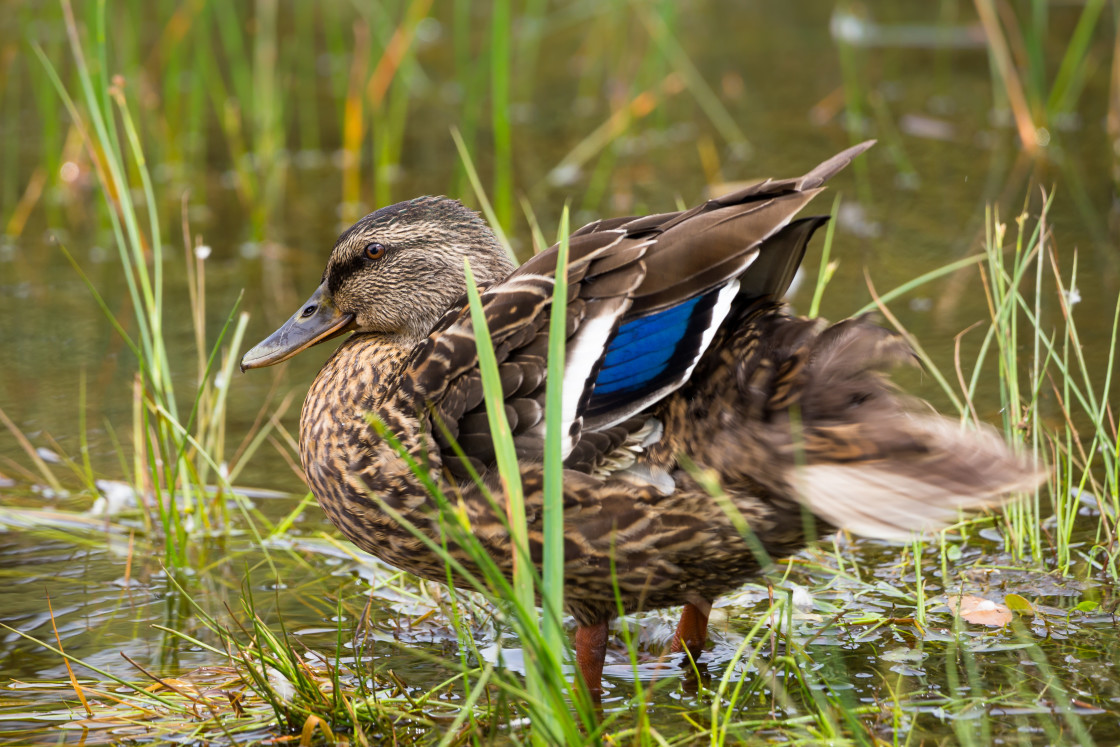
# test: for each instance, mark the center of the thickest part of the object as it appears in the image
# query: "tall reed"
(175, 457)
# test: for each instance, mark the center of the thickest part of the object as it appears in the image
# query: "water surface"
(781, 78)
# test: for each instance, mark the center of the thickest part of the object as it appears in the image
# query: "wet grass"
(833, 649)
(849, 642)
(175, 456)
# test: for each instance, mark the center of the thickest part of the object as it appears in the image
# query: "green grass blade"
(552, 575)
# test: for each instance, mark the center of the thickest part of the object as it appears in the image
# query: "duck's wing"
(645, 298)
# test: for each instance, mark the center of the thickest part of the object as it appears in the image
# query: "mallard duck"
(681, 356)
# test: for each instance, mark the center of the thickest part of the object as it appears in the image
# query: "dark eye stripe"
(339, 272)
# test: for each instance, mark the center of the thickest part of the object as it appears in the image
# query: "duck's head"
(394, 272)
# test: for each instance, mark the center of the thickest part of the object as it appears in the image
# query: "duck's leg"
(692, 630)
(591, 651)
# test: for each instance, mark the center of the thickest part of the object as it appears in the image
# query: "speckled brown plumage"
(680, 353)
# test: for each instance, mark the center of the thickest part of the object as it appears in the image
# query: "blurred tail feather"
(824, 426)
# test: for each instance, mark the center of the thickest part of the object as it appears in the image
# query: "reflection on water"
(859, 633)
(604, 116)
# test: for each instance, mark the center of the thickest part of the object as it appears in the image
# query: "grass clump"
(1052, 402)
(178, 474)
(265, 685)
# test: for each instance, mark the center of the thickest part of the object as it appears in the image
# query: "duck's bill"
(316, 321)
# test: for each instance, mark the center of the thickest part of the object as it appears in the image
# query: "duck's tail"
(820, 422)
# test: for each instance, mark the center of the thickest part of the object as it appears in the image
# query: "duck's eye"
(375, 251)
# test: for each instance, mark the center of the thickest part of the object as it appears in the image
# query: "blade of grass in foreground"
(541, 663)
(510, 472)
(505, 455)
(552, 572)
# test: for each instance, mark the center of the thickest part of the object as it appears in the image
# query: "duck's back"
(646, 298)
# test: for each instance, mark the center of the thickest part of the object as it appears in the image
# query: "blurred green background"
(272, 125)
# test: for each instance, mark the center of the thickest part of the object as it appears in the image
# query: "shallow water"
(915, 202)
(856, 655)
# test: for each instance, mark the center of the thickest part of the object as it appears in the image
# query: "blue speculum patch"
(644, 348)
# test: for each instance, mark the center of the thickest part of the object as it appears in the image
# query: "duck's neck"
(343, 456)
(356, 376)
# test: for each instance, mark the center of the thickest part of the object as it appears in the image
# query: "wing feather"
(646, 297)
